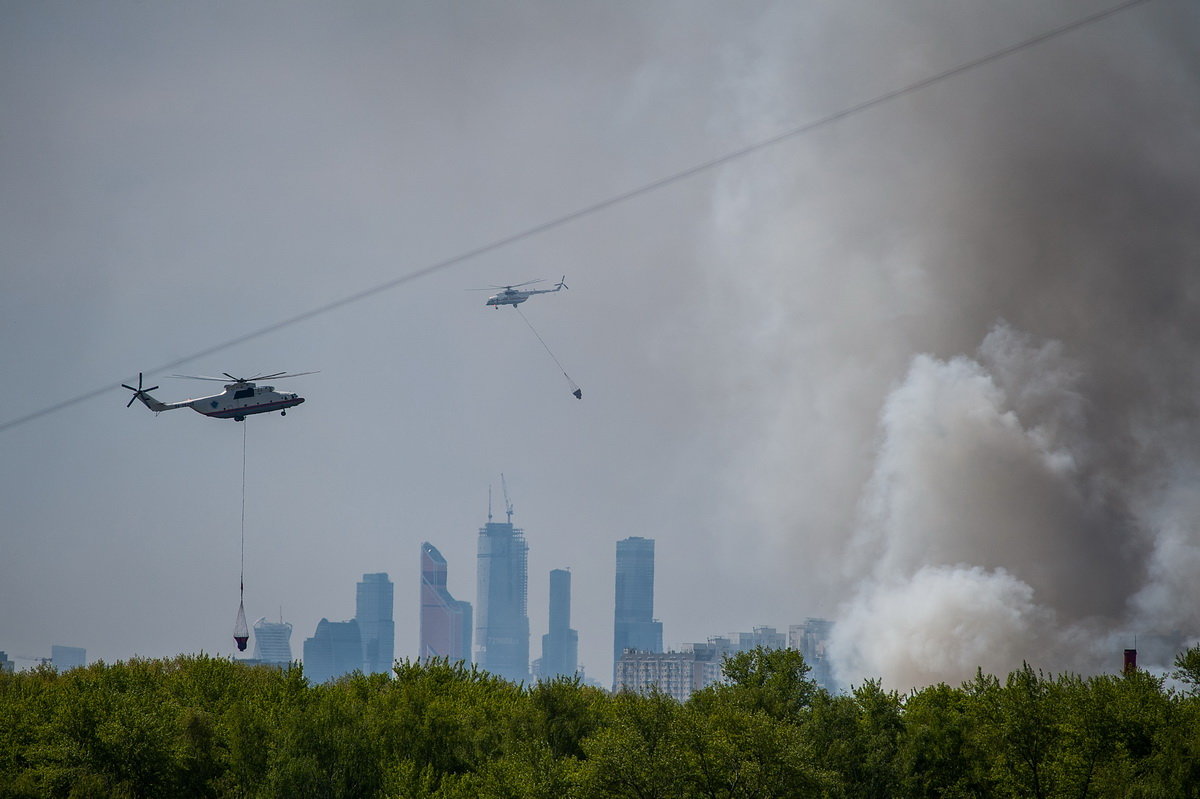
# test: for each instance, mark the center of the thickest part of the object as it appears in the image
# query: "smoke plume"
(981, 444)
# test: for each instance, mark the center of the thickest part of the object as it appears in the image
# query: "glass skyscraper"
(502, 621)
(335, 649)
(634, 625)
(273, 642)
(373, 612)
(68, 657)
(560, 646)
(445, 621)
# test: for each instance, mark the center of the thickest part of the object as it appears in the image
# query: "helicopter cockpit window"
(244, 393)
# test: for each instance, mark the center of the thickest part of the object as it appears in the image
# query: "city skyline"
(446, 624)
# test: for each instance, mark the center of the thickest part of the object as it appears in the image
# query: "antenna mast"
(489, 503)
(508, 508)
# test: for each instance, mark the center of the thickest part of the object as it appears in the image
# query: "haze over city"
(926, 370)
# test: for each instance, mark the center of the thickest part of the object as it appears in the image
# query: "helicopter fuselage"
(238, 402)
(513, 298)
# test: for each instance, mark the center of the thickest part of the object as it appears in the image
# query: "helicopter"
(241, 397)
(510, 295)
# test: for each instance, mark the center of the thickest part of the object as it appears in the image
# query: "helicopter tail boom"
(158, 406)
(143, 394)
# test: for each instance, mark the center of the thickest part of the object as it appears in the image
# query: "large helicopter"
(511, 296)
(241, 397)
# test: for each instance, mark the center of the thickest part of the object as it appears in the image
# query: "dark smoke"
(984, 324)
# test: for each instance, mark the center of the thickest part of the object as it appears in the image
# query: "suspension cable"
(574, 387)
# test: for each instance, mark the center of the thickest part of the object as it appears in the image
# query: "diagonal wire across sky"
(596, 207)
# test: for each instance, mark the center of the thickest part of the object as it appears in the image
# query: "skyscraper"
(445, 621)
(68, 657)
(502, 622)
(273, 642)
(560, 646)
(634, 626)
(373, 612)
(812, 638)
(335, 649)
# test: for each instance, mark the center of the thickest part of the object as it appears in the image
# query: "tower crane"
(508, 508)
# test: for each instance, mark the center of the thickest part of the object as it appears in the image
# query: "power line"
(601, 205)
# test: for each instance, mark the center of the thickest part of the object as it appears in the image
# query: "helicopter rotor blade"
(228, 378)
(284, 375)
(509, 286)
(201, 377)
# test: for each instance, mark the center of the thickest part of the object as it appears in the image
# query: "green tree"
(447, 719)
(1187, 668)
(1018, 726)
(856, 738)
(638, 755)
(937, 755)
(771, 681)
(562, 713)
(726, 751)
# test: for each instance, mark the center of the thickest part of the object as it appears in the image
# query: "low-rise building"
(681, 673)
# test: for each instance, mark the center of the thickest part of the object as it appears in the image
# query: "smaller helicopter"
(510, 295)
(241, 397)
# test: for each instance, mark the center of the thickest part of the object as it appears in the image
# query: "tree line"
(201, 726)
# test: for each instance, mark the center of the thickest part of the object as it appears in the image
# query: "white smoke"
(990, 536)
(940, 621)
(977, 521)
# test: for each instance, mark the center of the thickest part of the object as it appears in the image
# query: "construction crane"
(41, 661)
(508, 508)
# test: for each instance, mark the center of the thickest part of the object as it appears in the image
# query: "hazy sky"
(939, 350)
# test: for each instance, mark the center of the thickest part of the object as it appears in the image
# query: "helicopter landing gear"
(283, 413)
(239, 418)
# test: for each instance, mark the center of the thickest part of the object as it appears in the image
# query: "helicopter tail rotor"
(138, 392)
(562, 284)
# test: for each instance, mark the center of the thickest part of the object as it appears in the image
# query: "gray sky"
(175, 175)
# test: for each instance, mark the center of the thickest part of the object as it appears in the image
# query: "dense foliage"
(209, 727)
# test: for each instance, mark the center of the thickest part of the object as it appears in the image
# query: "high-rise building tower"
(502, 621)
(812, 640)
(273, 642)
(634, 625)
(560, 646)
(335, 649)
(373, 612)
(445, 621)
(68, 657)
